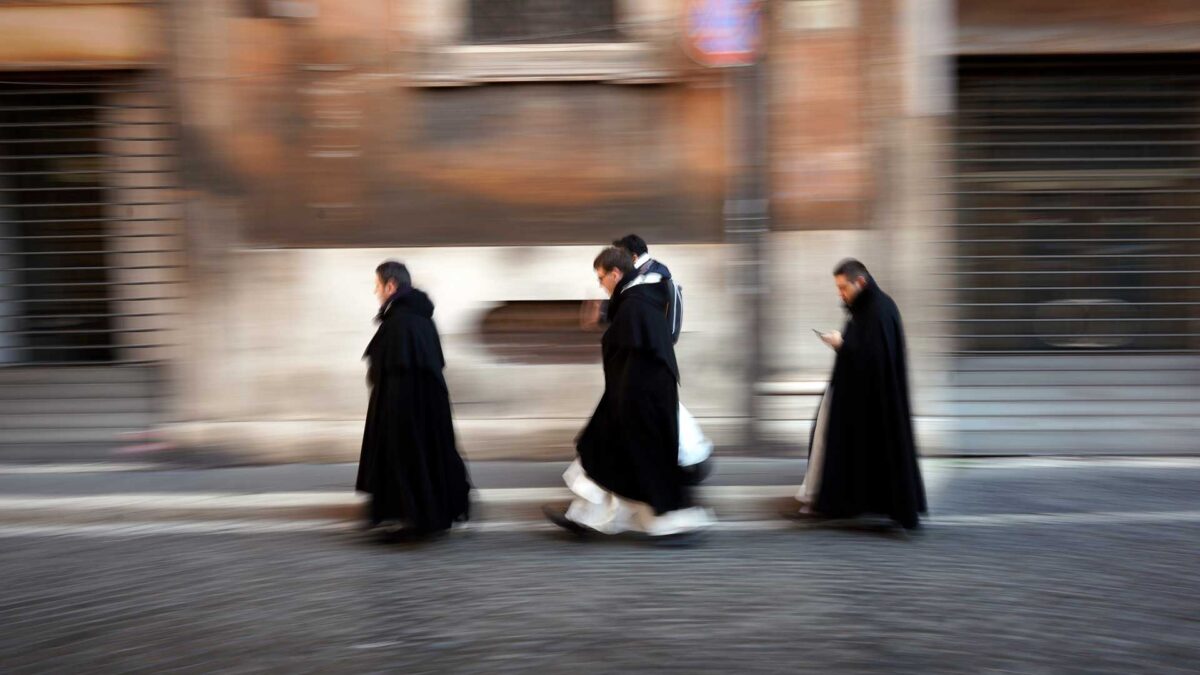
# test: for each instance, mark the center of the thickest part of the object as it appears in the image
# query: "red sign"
(724, 32)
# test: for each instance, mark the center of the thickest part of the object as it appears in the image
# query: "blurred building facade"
(195, 195)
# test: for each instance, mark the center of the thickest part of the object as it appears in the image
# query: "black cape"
(653, 267)
(870, 460)
(409, 463)
(631, 444)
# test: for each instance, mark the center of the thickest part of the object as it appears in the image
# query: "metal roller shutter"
(90, 245)
(1075, 314)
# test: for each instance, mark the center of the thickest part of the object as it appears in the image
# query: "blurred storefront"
(90, 234)
(195, 198)
(1072, 276)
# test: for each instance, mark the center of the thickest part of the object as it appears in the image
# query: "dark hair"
(613, 258)
(394, 270)
(632, 243)
(851, 269)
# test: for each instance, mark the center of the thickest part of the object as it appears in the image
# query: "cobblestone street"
(978, 591)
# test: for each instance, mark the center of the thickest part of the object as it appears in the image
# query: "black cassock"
(631, 445)
(870, 456)
(409, 463)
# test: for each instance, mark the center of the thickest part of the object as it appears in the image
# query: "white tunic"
(816, 454)
(609, 513)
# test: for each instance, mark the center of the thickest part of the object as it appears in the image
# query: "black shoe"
(696, 474)
(409, 535)
(804, 517)
(558, 516)
(382, 525)
(679, 539)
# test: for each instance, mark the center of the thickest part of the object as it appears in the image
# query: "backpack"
(675, 309)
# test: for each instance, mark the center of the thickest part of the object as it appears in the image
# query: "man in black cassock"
(627, 476)
(409, 463)
(863, 456)
(695, 450)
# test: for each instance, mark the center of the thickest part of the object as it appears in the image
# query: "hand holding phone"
(832, 338)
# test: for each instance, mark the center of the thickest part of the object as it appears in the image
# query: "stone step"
(1076, 442)
(1107, 412)
(1055, 393)
(1056, 378)
(26, 391)
(79, 406)
(83, 421)
(489, 505)
(79, 374)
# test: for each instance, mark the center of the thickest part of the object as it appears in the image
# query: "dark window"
(539, 331)
(542, 21)
(55, 305)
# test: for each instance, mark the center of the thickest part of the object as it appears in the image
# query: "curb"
(732, 503)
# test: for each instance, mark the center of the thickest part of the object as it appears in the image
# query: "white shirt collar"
(651, 278)
(643, 260)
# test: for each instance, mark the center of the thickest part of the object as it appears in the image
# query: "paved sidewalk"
(1095, 598)
(94, 478)
(1026, 566)
(741, 491)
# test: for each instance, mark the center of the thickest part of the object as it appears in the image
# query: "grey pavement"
(1114, 599)
(299, 477)
(1101, 577)
(956, 486)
